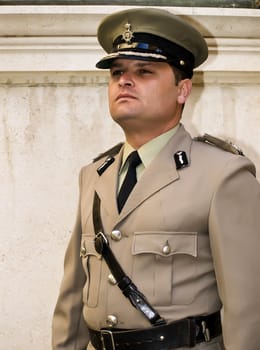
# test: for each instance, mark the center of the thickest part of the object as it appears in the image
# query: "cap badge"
(128, 34)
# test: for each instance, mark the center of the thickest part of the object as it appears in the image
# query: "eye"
(143, 71)
(116, 72)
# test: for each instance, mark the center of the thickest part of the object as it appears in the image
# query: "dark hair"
(179, 74)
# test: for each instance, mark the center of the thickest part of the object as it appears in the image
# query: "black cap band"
(154, 48)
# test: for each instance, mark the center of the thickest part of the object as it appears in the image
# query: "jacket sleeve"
(234, 226)
(69, 331)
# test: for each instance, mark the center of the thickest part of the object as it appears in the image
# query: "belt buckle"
(105, 335)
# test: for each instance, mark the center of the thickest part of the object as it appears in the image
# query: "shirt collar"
(150, 149)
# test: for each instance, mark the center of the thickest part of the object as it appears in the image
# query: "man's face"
(143, 96)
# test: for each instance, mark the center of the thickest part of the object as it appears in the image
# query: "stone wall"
(54, 119)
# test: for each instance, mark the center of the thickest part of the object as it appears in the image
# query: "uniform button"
(116, 235)
(111, 279)
(83, 250)
(166, 248)
(111, 320)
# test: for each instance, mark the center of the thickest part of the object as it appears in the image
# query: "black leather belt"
(183, 333)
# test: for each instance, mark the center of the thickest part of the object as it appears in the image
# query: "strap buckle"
(100, 241)
(107, 340)
(205, 331)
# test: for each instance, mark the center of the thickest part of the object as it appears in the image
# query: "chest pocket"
(92, 264)
(164, 266)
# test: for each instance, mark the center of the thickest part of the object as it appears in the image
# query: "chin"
(122, 117)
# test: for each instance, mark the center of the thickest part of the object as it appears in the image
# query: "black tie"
(130, 179)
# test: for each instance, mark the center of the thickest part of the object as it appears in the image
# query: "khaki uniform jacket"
(208, 213)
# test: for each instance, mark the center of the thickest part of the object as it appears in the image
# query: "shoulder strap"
(225, 145)
(110, 152)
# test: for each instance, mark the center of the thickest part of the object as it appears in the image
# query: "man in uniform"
(151, 269)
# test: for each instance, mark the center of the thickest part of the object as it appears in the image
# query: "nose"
(125, 80)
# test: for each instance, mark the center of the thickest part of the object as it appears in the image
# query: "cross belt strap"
(183, 333)
(128, 288)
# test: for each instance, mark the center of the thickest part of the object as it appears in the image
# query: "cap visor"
(105, 62)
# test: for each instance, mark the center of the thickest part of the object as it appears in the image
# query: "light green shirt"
(147, 153)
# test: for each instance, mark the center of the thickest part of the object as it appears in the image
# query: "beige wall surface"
(47, 133)
(54, 118)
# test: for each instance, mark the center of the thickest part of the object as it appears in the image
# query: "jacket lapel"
(106, 186)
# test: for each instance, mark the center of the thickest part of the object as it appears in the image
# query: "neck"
(138, 138)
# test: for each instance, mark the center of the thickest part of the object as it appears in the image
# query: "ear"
(184, 90)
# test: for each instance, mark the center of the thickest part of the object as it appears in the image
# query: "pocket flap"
(165, 243)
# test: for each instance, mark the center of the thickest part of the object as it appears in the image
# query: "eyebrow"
(138, 64)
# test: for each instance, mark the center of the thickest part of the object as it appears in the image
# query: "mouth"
(124, 96)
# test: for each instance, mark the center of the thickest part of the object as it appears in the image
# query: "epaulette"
(225, 145)
(111, 152)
